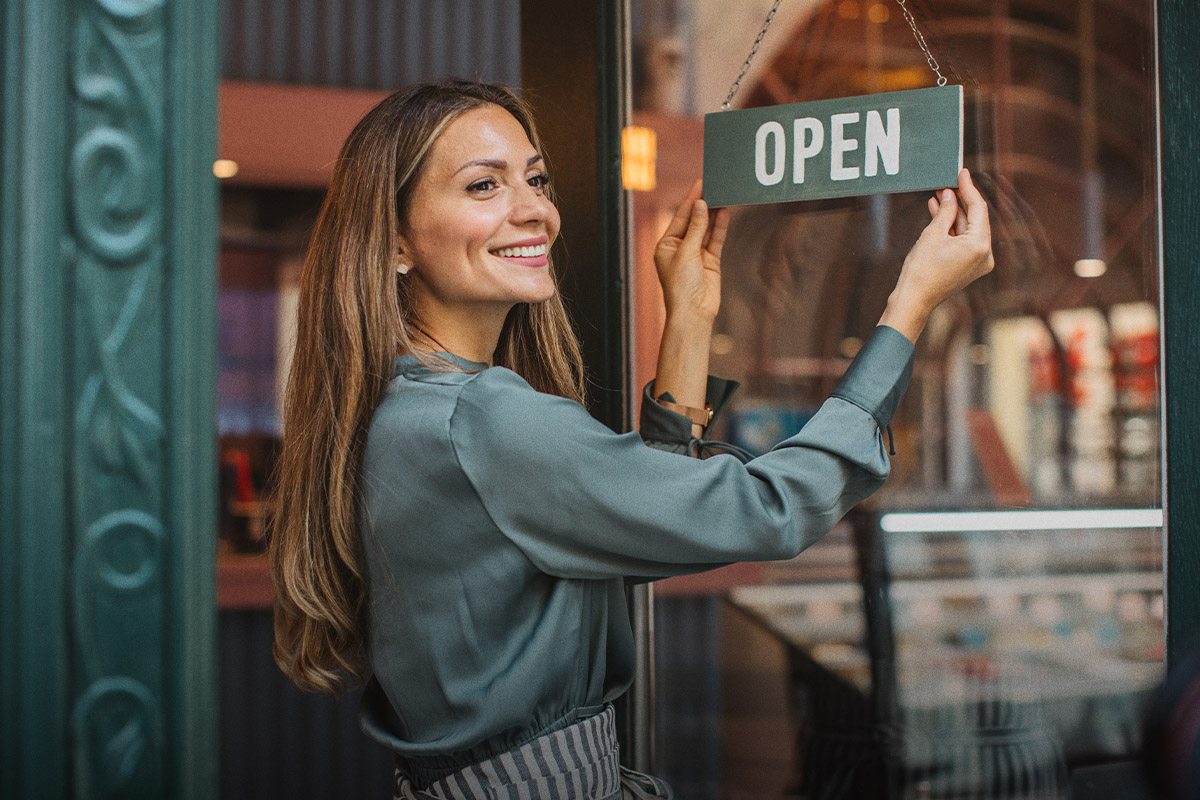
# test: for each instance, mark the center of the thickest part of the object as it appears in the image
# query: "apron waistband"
(578, 762)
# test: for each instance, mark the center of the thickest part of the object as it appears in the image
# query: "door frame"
(1179, 187)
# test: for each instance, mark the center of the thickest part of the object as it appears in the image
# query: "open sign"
(871, 144)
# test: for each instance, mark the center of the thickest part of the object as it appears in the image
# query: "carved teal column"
(107, 466)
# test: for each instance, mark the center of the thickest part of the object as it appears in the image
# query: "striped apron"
(579, 762)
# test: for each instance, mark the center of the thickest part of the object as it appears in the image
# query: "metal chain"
(912, 23)
(737, 84)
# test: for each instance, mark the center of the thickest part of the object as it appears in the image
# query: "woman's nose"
(532, 205)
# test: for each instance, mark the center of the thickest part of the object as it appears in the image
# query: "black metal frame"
(1179, 85)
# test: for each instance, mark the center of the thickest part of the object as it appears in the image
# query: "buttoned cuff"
(879, 374)
(663, 425)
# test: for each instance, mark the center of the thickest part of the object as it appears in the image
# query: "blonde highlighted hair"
(355, 317)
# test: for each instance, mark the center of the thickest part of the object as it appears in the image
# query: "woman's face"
(479, 224)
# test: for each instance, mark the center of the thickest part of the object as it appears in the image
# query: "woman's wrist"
(685, 315)
(906, 315)
(689, 324)
(683, 359)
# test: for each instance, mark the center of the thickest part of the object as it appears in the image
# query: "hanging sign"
(871, 144)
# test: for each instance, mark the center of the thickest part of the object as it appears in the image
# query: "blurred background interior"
(926, 648)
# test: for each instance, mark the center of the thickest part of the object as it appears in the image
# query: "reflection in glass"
(943, 663)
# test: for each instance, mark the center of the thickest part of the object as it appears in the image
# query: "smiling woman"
(453, 525)
(478, 232)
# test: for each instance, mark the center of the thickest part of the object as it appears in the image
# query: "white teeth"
(521, 252)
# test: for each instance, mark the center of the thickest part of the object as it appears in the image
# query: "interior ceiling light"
(1090, 267)
(225, 168)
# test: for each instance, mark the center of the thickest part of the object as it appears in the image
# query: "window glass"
(998, 656)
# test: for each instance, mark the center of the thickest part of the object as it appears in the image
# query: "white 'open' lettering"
(801, 128)
(883, 143)
(839, 145)
(774, 130)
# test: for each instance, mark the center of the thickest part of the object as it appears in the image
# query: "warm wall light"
(878, 13)
(1090, 267)
(225, 168)
(639, 150)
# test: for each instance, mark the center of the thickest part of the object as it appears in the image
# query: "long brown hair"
(355, 317)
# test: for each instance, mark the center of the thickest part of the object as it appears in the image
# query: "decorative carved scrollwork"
(109, 176)
(132, 10)
(118, 725)
(116, 184)
(119, 563)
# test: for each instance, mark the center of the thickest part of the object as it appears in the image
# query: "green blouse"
(498, 525)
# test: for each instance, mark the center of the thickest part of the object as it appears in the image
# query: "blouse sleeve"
(583, 502)
(669, 430)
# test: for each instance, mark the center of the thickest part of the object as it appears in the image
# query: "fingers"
(697, 225)
(945, 214)
(679, 222)
(934, 205)
(716, 232)
(976, 207)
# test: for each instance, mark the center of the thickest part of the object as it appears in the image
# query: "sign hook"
(912, 23)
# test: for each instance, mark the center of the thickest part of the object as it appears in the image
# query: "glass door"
(990, 623)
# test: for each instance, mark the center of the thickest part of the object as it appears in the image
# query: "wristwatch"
(700, 416)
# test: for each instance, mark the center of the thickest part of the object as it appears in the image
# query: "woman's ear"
(403, 265)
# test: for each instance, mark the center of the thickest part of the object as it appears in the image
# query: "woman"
(453, 524)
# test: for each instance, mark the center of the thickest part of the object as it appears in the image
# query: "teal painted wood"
(108, 473)
(843, 147)
(1179, 83)
(191, 375)
(34, 518)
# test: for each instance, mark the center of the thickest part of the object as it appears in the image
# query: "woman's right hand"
(688, 258)
(953, 250)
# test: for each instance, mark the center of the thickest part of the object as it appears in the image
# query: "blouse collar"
(409, 362)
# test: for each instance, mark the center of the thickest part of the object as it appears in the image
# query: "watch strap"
(700, 416)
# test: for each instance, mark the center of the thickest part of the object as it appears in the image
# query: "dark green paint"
(107, 527)
(34, 667)
(190, 374)
(1179, 84)
(743, 162)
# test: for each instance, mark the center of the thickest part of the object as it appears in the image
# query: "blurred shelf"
(244, 583)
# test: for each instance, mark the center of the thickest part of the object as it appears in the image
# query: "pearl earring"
(402, 268)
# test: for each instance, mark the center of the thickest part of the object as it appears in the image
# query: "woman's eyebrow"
(495, 164)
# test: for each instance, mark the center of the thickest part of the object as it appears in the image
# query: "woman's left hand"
(688, 258)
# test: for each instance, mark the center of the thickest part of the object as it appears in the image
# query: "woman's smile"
(530, 252)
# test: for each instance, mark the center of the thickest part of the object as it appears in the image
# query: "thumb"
(943, 220)
(696, 225)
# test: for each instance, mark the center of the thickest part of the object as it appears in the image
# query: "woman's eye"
(540, 181)
(484, 185)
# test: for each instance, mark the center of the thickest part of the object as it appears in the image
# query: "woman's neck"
(468, 332)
